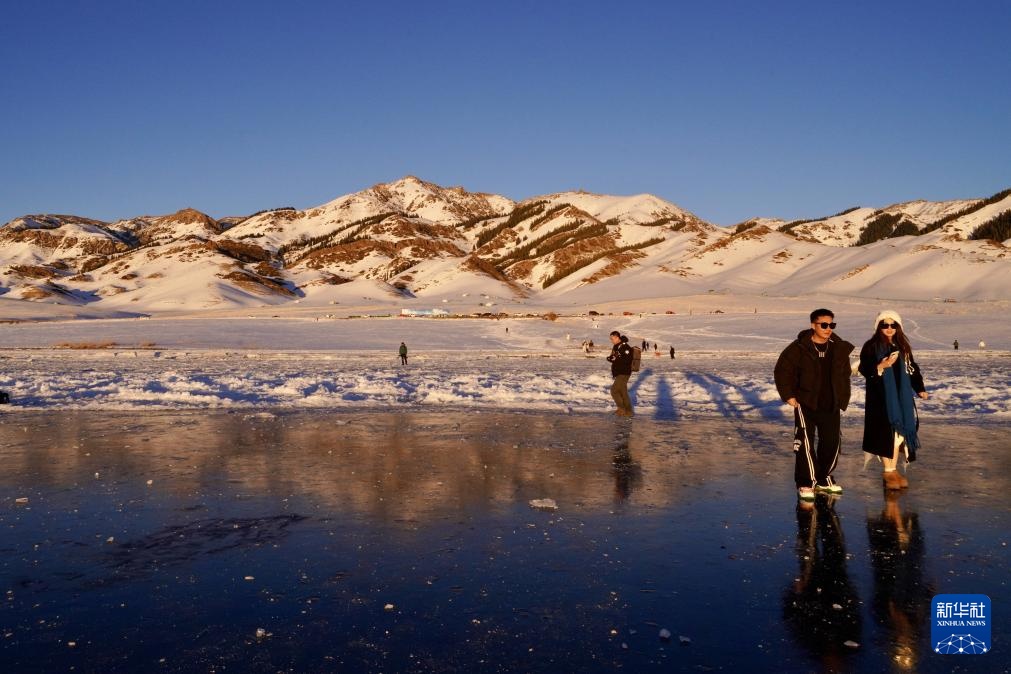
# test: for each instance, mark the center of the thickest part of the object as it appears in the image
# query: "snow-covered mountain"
(414, 241)
(861, 225)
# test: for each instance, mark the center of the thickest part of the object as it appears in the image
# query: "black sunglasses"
(826, 326)
(885, 326)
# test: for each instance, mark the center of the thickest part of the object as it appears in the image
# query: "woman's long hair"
(899, 339)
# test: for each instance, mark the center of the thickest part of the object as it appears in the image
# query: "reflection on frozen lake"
(405, 542)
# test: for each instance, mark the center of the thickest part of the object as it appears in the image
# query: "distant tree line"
(997, 228)
(357, 234)
(660, 222)
(272, 210)
(266, 210)
(549, 243)
(745, 226)
(471, 222)
(797, 223)
(890, 225)
(937, 224)
(306, 245)
(880, 227)
(518, 215)
(521, 252)
(548, 214)
(904, 228)
(579, 264)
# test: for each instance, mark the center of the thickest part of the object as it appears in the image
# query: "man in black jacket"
(813, 377)
(621, 370)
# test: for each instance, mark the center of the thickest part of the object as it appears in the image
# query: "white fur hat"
(887, 313)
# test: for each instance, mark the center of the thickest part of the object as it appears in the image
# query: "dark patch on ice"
(184, 543)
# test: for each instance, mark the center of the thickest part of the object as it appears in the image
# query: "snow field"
(727, 384)
(724, 362)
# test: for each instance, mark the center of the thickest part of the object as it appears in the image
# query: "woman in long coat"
(890, 420)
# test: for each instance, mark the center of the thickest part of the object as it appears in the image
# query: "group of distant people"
(812, 376)
(982, 345)
(656, 348)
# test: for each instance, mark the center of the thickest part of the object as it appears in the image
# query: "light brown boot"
(903, 482)
(891, 479)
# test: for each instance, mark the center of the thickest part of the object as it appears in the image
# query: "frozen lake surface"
(723, 367)
(200, 479)
(968, 385)
(403, 541)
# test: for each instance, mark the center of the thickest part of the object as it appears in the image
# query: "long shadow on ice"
(633, 390)
(717, 388)
(666, 408)
(750, 436)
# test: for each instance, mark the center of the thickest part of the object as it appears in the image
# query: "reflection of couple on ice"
(821, 607)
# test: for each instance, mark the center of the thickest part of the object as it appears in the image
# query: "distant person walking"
(621, 370)
(892, 376)
(672, 353)
(982, 345)
(813, 377)
(955, 345)
(403, 353)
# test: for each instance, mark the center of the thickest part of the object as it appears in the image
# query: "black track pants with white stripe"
(817, 443)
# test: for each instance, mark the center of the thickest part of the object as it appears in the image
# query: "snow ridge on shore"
(728, 384)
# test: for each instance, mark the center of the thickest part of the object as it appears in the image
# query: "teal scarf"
(899, 399)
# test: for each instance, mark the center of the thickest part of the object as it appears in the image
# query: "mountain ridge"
(415, 240)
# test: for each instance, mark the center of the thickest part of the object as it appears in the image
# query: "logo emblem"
(960, 624)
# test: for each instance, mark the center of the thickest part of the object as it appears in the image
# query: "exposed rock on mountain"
(412, 238)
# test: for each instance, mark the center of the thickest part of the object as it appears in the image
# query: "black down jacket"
(798, 373)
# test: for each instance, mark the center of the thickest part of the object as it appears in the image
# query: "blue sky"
(729, 109)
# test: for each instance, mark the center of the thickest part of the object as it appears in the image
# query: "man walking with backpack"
(403, 353)
(621, 370)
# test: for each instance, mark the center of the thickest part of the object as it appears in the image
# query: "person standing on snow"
(621, 370)
(813, 377)
(890, 420)
(672, 353)
(403, 353)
